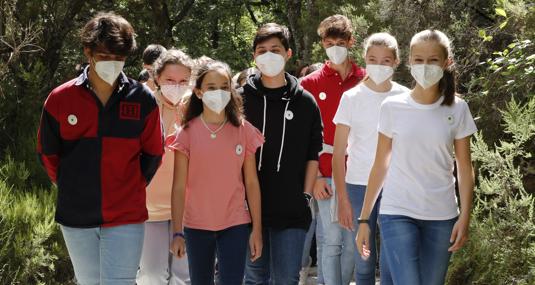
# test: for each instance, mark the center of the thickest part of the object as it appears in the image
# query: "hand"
(345, 214)
(363, 240)
(255, 245)
(459, 234)
(322, 189)
(178, 247)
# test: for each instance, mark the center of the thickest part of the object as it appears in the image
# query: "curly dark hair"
(194, 106)
(110, 31)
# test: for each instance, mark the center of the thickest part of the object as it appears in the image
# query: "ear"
(351, 42)
(87, 53)
(289, 53)
(197, 92)
(396, 63)
(448, 62)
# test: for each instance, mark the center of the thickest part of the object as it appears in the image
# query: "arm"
(310, 175)
(313, 180)
(178, 191)
(375, 183)
(252, 189)
(345, 211)
(465, 173)
(49, 140)
(151, 145)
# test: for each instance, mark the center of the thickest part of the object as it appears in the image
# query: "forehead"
(334, 39)
(270, 42)
(177, 70)
(216, 76)
(380, 51)
(427, 48)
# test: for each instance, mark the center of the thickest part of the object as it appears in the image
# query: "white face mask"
(426, 75)
(109, 70)
(174, 92)
(379, 73)
(270, 64)
(337, 54)
(216, 100)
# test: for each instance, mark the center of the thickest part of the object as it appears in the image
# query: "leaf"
(502, 25)
(500, 12)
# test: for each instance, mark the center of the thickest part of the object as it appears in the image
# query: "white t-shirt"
(420, 181)
(359, 110)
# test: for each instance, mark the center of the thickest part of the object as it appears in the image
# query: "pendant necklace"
(213, 134)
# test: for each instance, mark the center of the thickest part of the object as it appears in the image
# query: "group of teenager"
(157, 181)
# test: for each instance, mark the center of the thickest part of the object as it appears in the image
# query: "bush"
(501, 249)
(32, 250)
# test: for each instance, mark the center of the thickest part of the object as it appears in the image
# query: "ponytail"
(448, 85)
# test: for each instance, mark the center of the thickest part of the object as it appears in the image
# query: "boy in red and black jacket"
(100, 141)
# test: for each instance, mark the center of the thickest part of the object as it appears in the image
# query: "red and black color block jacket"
(100, 157)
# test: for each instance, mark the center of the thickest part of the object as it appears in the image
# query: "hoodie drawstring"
(263, 134)
(283, 133)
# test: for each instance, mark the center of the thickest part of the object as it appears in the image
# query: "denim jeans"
(281, 258)
(416, 250)
(105, 256)
(229, 245)
(315, 228)
(365, 270)
(158, 266)
(338, 254)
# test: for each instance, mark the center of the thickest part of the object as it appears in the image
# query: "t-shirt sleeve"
(344, 113)
(466, 126)
(179, 141)
(254, 139)
(385, 121)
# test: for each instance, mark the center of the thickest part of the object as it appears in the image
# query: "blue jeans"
(338, 255)
(365, 270)
(416, 250)
(230, 246)
(315, 228)
(105, 255)
(281, 258)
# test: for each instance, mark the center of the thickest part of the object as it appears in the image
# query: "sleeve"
(344, 113)
(151, 145)
(179, 141)
(385, 121)
(49, 139)
(316, 135)
(254, 139)
(466, 126)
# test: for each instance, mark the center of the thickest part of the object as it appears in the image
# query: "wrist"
(363, 221)
(178, 234)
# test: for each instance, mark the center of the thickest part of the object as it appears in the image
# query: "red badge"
(130, 111)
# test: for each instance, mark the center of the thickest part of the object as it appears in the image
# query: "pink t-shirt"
(215, 190)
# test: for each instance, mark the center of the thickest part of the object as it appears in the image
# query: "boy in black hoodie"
(290, 120)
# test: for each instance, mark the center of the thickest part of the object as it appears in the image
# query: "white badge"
(323, 96)
(239, 149)
(450, 119)
(72, 120)
(289, 115)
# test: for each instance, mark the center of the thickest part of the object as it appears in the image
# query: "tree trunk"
(294, 15)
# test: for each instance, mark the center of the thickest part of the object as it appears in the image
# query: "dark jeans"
(281, 258)
(229, 245)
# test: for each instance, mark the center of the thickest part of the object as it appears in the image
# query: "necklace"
(213, 134)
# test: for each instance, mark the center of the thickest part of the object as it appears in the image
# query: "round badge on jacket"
(289, 115)
(239, 149)
(323, 95)
(72, 119)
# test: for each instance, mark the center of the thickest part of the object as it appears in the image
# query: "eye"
(418, 60)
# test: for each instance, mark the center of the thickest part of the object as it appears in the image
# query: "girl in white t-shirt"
(419, 132)
(356, 134)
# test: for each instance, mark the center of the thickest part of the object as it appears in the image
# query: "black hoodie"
(290, 144)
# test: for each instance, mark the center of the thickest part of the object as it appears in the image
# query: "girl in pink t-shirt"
(215, 194)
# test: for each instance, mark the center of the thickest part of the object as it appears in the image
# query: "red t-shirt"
(327, 87)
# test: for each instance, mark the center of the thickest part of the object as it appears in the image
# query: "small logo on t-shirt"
(239, 149)
(323, 95)
(72, 119)
(130, 111)
(289, 115)
(450, 119)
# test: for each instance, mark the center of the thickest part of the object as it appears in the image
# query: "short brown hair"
(152, 52)
(172, 56)
(335, 26)
(272, 30)
(110, 31)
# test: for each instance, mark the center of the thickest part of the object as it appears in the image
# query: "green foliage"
(31, 247)
(501, 249)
